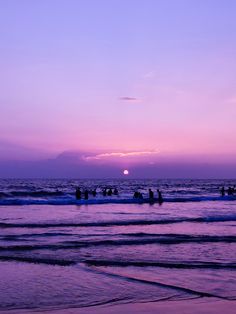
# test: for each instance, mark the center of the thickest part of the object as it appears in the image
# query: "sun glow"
(126, 172)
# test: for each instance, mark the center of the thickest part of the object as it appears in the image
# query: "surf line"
(156, 283)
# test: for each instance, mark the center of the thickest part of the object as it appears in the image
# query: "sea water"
(56, 252)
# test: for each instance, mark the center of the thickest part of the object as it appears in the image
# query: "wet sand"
(196, 306)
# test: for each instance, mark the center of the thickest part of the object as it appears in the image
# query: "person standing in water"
(86, 194)
(78, 194)
(222, 191)
(109, 192)
(160, 198)
(140, 195)
(151, 195)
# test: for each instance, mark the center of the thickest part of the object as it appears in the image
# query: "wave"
(119, 242)
(13, 237)
(113, 263)
(208, 219)
(180, 265)
(139, 237)
(47, 261)
(197, 293)
(65, 200)
(36, 193)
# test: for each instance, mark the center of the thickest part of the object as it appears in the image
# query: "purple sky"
(107, 85)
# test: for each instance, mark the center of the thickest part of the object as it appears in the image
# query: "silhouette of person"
(86, 194)
(136, 194)
(151, 195)
(160, 198)
(140, 195)
(109, 192)
(222, 191)
(94, 192)
(229, 191)
(104, 192)
(115, 191)
(78, 194)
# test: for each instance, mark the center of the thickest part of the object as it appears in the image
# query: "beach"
(117, 157)
(117, 257)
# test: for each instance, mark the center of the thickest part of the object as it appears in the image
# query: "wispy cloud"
(126, 98)
(121, 155)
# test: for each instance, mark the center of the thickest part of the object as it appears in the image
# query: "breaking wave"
(61, 200)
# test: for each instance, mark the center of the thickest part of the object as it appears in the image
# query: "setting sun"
(126, 172)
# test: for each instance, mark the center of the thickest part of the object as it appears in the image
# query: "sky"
(105, 85)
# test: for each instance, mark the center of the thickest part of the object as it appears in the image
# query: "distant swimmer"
(160, 198)
(140, 195)
(222, 191)
(78, 194)
(151, 195)
(136, 194)
(86, 194)
(115, 191)
(109, 192)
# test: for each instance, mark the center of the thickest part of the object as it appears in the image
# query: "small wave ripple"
(207, 219)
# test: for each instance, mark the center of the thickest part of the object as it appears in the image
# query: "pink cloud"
(119, 156)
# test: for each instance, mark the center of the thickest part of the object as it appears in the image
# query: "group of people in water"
(139, 195)
(86, 193)
(109, 192)
(229, 191)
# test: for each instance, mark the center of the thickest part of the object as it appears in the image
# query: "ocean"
(58, 253)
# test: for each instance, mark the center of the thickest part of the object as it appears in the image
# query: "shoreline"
(191, 306)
